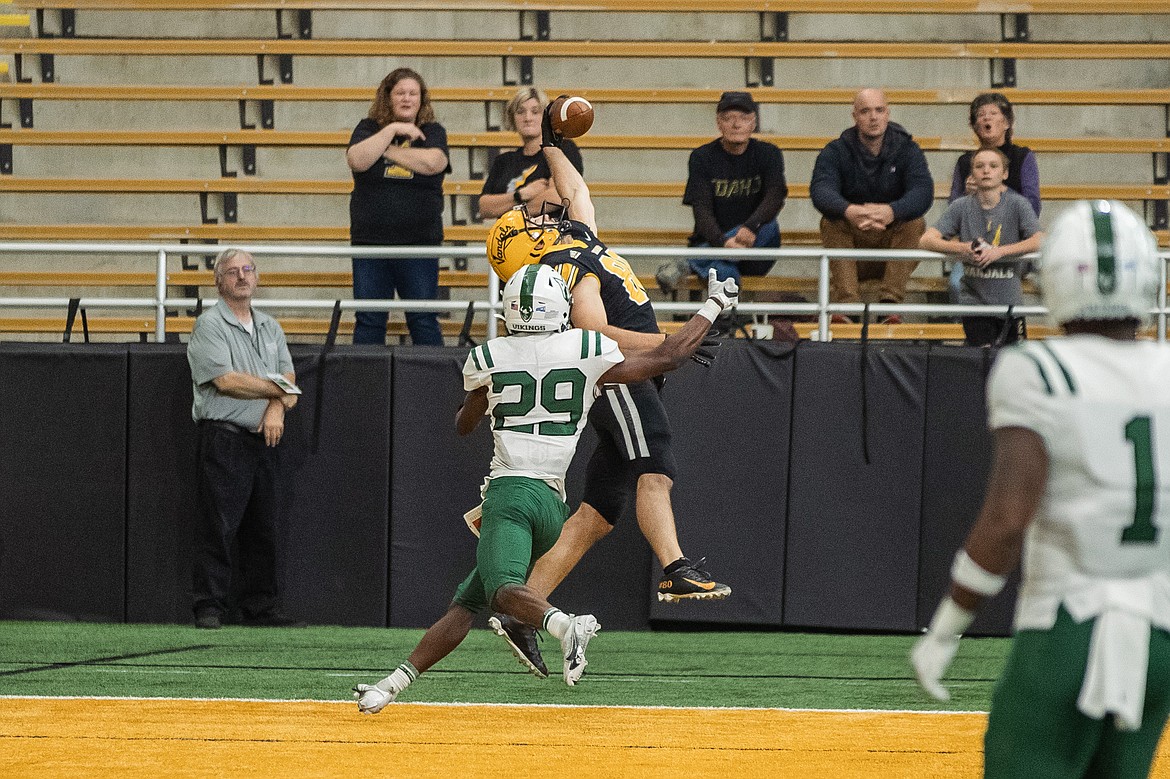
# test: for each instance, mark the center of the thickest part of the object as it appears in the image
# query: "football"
(571, 117)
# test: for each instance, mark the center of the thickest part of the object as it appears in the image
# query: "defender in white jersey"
(536, 385)
(1080, 480)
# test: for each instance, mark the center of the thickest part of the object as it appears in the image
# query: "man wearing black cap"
(736, 187)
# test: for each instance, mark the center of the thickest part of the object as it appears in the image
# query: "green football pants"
(522, 519)
(1035, 729)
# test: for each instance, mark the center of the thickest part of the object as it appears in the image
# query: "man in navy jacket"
(872, 187)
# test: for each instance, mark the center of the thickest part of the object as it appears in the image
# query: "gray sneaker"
(522, 639)
(581, 630)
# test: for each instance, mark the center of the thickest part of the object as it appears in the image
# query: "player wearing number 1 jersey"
(536, 385)
(1080, 480)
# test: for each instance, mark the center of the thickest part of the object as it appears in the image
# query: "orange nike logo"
(701, 585)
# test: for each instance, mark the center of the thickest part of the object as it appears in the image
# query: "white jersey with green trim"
(1102, 408)
(540, 390)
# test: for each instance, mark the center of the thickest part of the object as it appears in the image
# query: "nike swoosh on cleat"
(701, 585)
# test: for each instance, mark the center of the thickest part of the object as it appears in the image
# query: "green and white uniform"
(540, 389)
(1087, 686)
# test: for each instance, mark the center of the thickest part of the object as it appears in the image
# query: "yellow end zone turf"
(184, 738)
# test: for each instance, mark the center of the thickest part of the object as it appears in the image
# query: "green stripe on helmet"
(1106, 251)
(527, 284)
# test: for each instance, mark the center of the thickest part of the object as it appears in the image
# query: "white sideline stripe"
(489, 705)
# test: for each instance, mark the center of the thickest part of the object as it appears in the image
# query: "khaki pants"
(846, 275)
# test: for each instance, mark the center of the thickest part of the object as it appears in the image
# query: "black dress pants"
(238, 500)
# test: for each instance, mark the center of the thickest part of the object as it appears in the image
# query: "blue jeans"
(376, 278)
(767, 238)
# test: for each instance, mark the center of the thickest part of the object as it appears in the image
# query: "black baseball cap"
(736, 101)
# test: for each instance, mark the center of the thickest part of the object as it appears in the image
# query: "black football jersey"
(626, 303)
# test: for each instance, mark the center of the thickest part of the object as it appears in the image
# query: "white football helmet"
(536, 300)
(1099, 261)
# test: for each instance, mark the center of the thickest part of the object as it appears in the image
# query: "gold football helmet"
(517, 239)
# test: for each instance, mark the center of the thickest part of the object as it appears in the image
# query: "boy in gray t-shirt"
(986, 230)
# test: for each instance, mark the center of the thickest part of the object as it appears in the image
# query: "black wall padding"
(435, 478)
(161, 500)
(956, 463)
(852, 556)
(337, 539)
(62, 482)
(731, 426)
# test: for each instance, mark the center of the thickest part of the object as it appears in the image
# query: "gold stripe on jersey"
(569, 274)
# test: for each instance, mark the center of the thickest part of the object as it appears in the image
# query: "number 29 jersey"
(539, 390)
(1102, 408)
(626, 303)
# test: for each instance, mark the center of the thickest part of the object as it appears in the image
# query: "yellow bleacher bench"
(499, 139)
(610, 6)
(665, 189)
(641, 96)
(583, 49)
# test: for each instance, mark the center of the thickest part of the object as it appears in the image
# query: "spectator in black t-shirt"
(398, 155)
(736, 187)
(522, 175)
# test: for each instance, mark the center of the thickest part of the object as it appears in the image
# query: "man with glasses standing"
(244, 383)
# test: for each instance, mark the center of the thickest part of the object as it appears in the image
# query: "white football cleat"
(581, 630)
(371, 698)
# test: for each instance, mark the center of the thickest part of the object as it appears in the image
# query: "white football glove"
(932, 654)
(931, 657)
(725, 293)
(371, 699)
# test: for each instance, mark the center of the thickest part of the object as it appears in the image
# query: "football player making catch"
(633, 454)
(1080, 480)
(537, 385)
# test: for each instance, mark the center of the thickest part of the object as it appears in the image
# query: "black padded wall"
(337, 537)
(731, 426)
(955, 467)
(161, 490)
(435, 478)
(852, 556)
(63, 482)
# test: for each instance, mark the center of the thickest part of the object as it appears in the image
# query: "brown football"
(571, 117)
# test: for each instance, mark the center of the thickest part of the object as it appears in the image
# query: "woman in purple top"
(991, 117)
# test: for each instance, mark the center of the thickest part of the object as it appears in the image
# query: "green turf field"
(789, 670)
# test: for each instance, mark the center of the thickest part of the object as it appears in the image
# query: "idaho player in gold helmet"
(518, 239)
(633, 431)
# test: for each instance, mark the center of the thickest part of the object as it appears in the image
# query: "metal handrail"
(823, 309)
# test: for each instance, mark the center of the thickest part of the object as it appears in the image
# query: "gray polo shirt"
(219, 345)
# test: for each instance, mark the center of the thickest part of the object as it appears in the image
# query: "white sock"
(399, 680)
(557, 622)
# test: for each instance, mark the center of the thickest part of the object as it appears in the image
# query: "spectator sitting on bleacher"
(522, 175)
(736, 187)
(398, 155)
(872, 187)
(987, 230)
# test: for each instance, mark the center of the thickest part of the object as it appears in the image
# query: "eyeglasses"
(242, 270)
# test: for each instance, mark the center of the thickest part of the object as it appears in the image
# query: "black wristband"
(516, 196)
